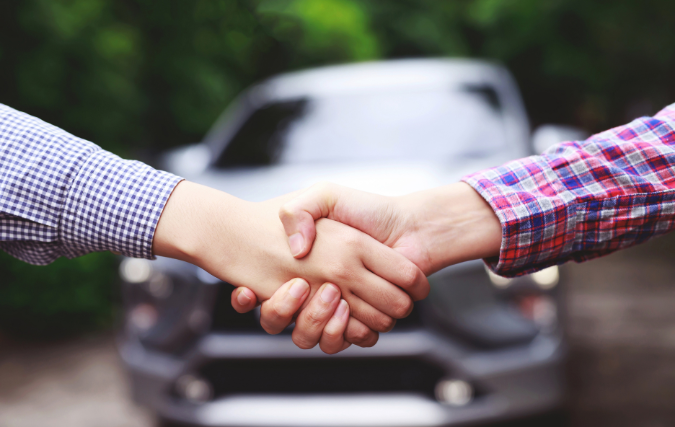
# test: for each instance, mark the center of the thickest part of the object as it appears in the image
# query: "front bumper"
(516, 382)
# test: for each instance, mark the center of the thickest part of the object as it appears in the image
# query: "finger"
(369, 315)
(397, 269)
(277, 312)
(332, 339)
(243, 300)
(359, 334)
(298, 216)
(383, 296)
(313, 318)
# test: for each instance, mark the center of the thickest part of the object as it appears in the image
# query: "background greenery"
(146, 75)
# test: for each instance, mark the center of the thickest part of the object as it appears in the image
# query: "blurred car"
(480, 348)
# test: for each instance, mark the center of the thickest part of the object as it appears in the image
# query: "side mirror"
(546, 136)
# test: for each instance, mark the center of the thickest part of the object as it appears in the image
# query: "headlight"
(466, 303)
(135, 270)
(546, 278)
(489, 310)
(166, 306)
(143, 317)
(160, 286)
(498, 281)
(454, 392)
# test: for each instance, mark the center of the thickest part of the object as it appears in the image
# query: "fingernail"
(298, 288)
(329, 293)
(296, 242)
(243, 299)
(342, 310)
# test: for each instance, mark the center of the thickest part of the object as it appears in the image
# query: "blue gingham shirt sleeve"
(63, 196)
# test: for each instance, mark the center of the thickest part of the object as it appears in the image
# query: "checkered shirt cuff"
(537, 232)
(61, 195)
(114, 205)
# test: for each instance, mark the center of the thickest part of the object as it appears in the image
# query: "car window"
(436, 124)
(262, 137)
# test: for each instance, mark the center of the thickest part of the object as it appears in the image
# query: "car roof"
(378, 76)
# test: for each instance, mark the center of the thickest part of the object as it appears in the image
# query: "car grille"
(322, 375)
(225, 319)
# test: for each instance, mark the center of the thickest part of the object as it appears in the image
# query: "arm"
(63, 196)
(584, 199)
(577, 201)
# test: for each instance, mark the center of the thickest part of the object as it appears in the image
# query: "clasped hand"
(245, 244)
(430, 230)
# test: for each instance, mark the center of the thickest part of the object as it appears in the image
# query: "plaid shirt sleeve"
(63, 196)
(584, 199)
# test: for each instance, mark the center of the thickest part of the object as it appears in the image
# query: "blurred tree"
(66, 297)
(139, 74)
(593, 64)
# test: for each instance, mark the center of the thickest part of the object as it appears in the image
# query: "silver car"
(480, 348)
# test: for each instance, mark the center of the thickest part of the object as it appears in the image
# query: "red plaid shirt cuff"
(584, 199)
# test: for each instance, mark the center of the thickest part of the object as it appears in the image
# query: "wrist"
(457, 225)
(191, 217)
(240, 242)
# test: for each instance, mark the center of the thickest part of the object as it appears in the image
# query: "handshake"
(351, 263)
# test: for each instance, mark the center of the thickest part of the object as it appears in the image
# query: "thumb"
(244, 300)
(298, 215)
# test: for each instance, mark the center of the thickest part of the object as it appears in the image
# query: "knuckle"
(384, 323)
(302, 342)
(352, 238)
(275, 310)
(271, 327)
(340, 272)
(313, 318)
(359, 335)
(331, 335)
(270, 319)
(363, 337)
(323, 187)
(408, 275)
(402, 307)
(329, 348)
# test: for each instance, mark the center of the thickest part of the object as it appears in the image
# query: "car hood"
(386, 178)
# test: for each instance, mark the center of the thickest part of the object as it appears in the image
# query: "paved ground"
(74, 384)
(621, 313)
(622, 331)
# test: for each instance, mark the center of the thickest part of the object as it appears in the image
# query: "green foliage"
(594, 64)
(65, 297)
(320, 32)
(134, 75)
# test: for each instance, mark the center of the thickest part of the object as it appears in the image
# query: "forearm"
(229, 237)
(454, 223)
(190, 214)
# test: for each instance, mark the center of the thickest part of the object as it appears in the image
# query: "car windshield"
(432, 124)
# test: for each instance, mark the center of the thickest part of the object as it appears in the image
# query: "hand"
(323, 320)
(243, 243)
(433, 228)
